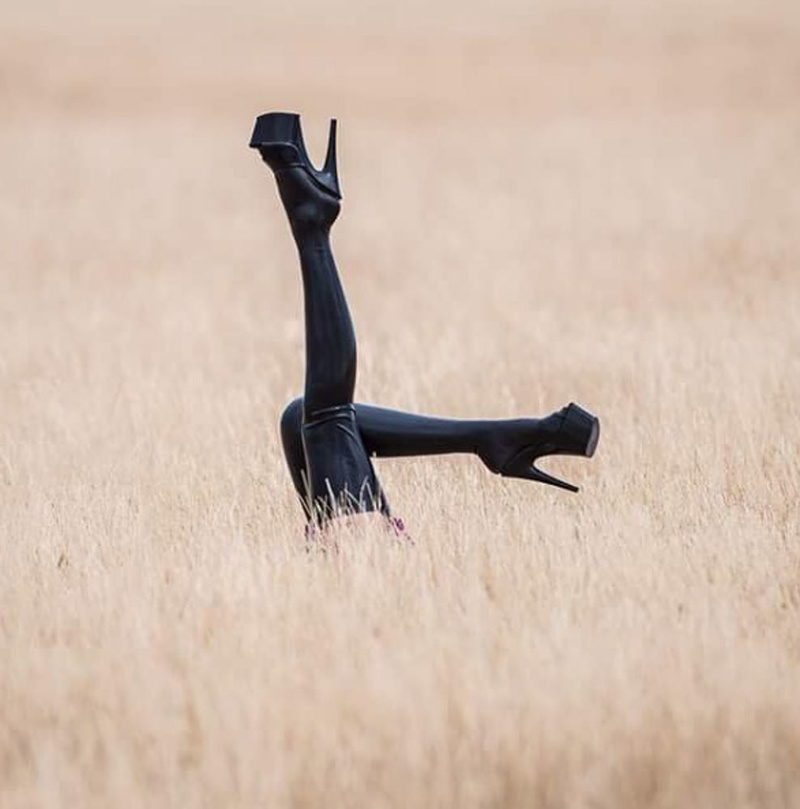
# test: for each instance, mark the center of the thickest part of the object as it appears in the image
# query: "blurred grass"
(543, 202)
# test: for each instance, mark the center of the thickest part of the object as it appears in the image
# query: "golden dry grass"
(595, 201)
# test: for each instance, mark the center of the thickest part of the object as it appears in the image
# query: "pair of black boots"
(328, 440)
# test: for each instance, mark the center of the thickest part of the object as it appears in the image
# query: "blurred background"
(545, 201)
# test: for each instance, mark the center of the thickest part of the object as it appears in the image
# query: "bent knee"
(292, 418)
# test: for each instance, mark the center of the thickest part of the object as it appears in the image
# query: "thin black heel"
(542, 477)
(523, 466)
(329, 169)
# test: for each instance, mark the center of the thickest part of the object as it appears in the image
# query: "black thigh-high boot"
(499, 443)
(333, 472)
(341, 478)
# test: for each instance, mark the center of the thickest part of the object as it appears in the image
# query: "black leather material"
(340, 477)
(329, 441)
(340, 474)
(279, 138)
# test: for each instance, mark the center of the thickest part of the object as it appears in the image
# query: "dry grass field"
(545, 201)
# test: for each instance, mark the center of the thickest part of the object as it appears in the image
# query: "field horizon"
(544, 202)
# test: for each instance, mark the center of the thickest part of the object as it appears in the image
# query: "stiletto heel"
(329, 169)
(570, 431)
(522, 466)
(278, 136)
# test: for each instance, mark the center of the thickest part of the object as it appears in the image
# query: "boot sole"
(594, 437)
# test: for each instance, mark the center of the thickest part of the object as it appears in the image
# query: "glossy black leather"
(328, 441)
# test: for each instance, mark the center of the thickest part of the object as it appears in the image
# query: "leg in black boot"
(341, 479)
(508, 447)
(327, 440)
